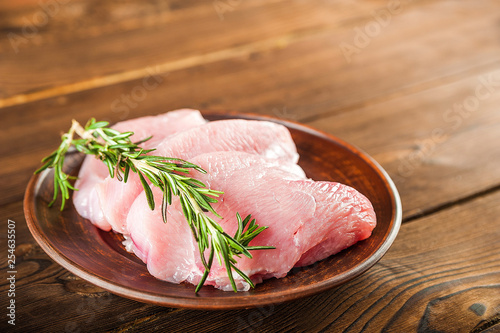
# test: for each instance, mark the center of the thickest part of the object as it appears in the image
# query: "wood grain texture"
(443, 144)
(164, 24)
(442, 271)
(311, 39)
(410, 91)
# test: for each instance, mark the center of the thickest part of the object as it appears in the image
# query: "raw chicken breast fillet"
(257, 137)
(93, 172)
(308, 220)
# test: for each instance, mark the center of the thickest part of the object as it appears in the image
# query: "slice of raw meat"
(307, 220)
(160, 126)
(257, 137)
(93, 171)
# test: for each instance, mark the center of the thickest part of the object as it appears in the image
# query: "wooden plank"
(424, 30)
(439, 145)
(86, 47)
(442, 272)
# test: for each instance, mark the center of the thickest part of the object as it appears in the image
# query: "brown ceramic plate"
(100, 258)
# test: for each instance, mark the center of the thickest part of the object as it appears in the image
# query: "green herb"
(170, 175)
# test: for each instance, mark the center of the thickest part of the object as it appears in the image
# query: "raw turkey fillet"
(257, 137)
(308, 221)
(255, 164)
(93, 172)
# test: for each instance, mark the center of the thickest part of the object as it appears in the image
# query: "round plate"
(100, 258)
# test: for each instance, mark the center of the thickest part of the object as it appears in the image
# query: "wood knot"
(478, 308)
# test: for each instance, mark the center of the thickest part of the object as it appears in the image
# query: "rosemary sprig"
(170, 175)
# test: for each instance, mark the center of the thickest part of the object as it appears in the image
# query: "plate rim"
(237, 301)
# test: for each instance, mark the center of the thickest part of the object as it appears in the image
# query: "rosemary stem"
(121, 156)
(76, 127)
(139, 164)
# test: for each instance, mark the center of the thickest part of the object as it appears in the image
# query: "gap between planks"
(446, 205)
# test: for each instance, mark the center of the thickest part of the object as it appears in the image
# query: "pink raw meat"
(308, 221)
(257, 137)
(94, 172)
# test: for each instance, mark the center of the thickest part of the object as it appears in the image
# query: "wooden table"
(415, 84)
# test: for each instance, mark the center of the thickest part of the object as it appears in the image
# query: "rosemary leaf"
(172, 176)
